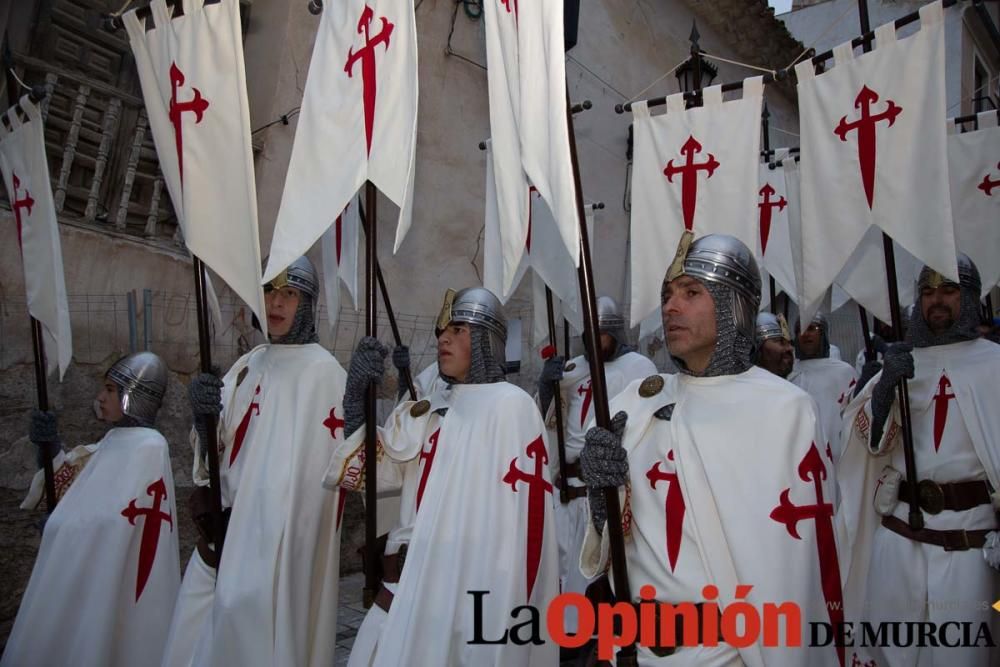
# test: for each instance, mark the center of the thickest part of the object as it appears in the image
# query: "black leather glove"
(367, 366)
(205, 398)
(401, 357)
(44, 432)
(897, 363)
(401, 360)
(603, 465)
(868, 371)
(551, 375)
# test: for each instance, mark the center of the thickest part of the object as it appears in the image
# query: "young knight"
(476, 504)
(273, 599)
(724, 484)
(104, 584)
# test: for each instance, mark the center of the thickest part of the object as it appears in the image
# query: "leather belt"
(679, 619)
(392, 565)
(950, 540)
(572, 492)
(384, 599)
(573, 469)
(956, 496)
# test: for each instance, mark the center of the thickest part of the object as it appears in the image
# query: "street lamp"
(695, 72)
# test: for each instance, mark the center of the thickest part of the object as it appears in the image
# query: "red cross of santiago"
(812, 469)
(538, 486)
(26, 203)
(150, 530)
(766, 207)
(195, 105)
(366, 54)
(587, 391)
(332, 423)
(987, 185)
(507, 4)
(673, 508)
(941, 401)
(865, 127)
(689, 177)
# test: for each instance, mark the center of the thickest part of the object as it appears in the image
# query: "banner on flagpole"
(358, 123)
(874, 153)
(694, 169)
(26, 177)
(974, 168)
(194, 85)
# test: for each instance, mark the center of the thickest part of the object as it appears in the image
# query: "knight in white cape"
(476, 506)
(273, 600)
(724, 484)
(622, 366)
(826, 378)
(938, 574)
(774, 350)
(104, 584)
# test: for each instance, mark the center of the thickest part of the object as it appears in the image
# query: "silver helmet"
(475, 305)
(771, 326)
(968, 276)
(300, 274)
(610, 319)
(482, 311)
(726, 261)
(142, 382)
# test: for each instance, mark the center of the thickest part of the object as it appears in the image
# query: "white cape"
(972, 367)
(471, 530)
(737, 443)
(276, 593)
(830, 382)
(87, 602)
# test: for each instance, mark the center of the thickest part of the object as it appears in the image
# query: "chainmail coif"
(303, 329)
(733, 348)
(963, 329)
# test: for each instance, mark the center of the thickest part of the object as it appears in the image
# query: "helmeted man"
(724, 485)
(937, 573)
(273, 600)
(104, 584)
(622, 366)
(476, 505)
(829, 381)
(774, 345)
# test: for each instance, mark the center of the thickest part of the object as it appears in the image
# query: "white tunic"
(703, 486)
(831, 384)
(104, 584)
(576, 394)
(956, 424)
(275, 600)
(467, 508)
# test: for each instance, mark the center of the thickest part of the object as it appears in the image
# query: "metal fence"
(110, 325)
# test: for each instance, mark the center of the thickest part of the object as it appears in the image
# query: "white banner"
(339, 246)
(974, 165)
(874, 152)
(544, 129)
(26, 177)
(773, 218)
(358, 122)
(194, 85)
(508, 180)
(694, 169)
